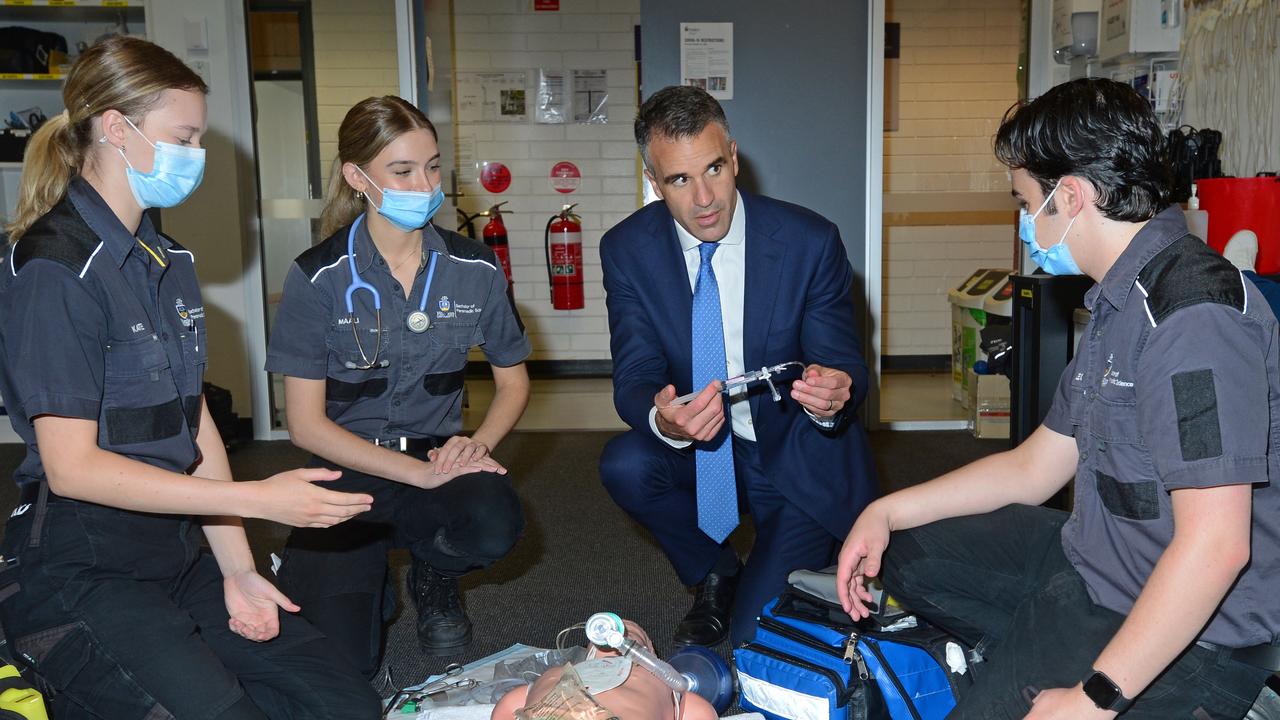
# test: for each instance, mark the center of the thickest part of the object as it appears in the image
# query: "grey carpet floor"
(580, 554)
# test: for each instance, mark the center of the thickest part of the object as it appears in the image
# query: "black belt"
(1266, 657)
(408, 444)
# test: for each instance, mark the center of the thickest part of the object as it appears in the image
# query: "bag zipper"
(933, 644)
(849, 653)
(841, 688)
(897, 684)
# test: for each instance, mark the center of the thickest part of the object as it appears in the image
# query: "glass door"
(311, 60)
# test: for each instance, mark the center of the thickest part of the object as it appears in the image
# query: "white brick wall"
(920, 265)
(957, 76)
(355, 57)
(586, 35)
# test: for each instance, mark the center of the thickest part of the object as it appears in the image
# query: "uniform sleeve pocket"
(1129, 500)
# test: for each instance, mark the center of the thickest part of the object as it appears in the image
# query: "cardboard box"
(988, 405)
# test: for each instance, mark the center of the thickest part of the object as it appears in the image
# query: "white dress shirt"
(730, 266)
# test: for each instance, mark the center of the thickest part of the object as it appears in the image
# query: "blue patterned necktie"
(717, 487)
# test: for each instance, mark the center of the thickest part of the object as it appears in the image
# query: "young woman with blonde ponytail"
(372, 335)
(106, 592)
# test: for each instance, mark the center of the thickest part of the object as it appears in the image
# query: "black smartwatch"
(1105, 693)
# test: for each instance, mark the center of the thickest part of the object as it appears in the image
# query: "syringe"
(765, 373)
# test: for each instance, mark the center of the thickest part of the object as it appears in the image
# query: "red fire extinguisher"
(563, 243)
(495, 236)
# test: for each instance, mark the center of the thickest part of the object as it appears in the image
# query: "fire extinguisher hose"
(546, 238)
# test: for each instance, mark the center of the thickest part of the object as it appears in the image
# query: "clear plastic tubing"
(606, 629)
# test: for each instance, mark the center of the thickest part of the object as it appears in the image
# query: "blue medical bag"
(810, 661)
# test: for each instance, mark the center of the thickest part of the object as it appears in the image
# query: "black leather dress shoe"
(707, 622)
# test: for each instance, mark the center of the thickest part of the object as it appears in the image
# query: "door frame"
(874, 202)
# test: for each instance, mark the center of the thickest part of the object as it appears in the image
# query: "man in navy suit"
(701, 287)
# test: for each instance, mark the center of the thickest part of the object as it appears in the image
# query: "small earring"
(359, 195)
(102, 140)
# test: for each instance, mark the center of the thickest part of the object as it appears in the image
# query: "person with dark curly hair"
(1154, 598)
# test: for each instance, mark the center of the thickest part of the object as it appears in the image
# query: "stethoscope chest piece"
(418, 321)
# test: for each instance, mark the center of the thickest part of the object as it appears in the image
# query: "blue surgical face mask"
(1056, 260)
(408, 209)
(175, 174)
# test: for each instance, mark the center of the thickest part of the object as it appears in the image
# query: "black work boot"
(443, 626)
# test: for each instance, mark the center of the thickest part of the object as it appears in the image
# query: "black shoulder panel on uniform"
(60, 235)
(176, 245)
(465, 248)
(324, 254)
(1189, 273)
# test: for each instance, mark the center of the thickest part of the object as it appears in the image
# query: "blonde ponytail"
(369, 126)
(52, 158)
(118, 73)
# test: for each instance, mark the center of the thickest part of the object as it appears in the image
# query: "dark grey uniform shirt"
(419, 391)
(1176, 384)
(94, 327)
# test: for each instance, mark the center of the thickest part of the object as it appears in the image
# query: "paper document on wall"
(591, 96)
(466, 163)
(552, 102)
(706, 57)
(492, 97)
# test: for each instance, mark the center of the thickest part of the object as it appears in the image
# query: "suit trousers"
(656, 485)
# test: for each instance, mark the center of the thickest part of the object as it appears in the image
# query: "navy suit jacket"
(798, 306)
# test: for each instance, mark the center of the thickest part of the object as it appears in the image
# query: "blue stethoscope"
(417, 322)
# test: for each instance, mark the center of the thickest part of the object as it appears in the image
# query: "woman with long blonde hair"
(372, 335)
(107, 594)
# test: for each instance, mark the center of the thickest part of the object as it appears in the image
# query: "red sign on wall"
(565, 177)
(495, 177)
(546, 5)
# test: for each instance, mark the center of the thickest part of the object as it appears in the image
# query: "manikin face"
(695, 177)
